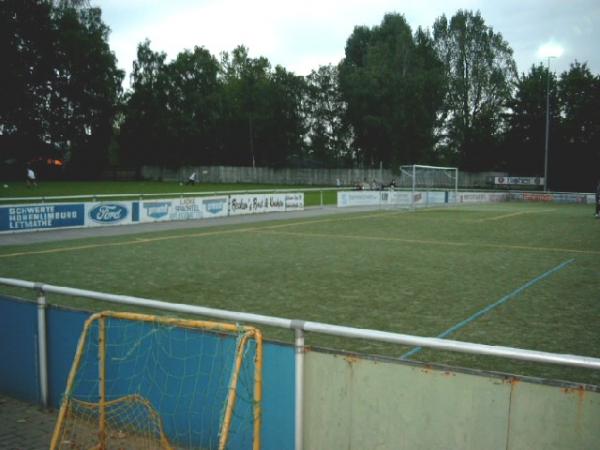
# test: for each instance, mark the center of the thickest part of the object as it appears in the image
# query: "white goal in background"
(420, 178)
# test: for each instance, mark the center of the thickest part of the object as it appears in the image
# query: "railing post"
(42, 345)
(298, 327)
(321, 192)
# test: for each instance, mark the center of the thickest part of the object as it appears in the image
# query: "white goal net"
(419, 178)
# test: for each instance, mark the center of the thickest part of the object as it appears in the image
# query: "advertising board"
(482, 197)
(111, 213)
(358, 198)
(42, 216)
(294, 202)
(389, 198)
(264, 203)
(183, 208)
(519, 181)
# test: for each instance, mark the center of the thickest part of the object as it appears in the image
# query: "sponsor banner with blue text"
(156, 210)
(41, 217)
(186, 208)
(215, 206)
(359, 198)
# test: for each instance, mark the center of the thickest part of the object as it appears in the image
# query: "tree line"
(449, 95)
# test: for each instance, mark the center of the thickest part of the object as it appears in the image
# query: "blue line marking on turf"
(488, 308)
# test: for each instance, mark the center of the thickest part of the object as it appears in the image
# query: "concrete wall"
(321, 177)
(354, 403)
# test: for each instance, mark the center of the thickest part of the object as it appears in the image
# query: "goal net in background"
(419, 178)
(141, 381)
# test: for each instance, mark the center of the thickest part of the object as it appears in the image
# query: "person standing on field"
(31, 178)
(192, 179)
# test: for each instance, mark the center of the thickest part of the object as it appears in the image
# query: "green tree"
(480, 73)
(574, 159)
(392, 83)
(87, 89)
(245, 83)
(145, 132)
(281, 138)
(328, 134)
(61, 86)
(193, 101)
(525, 138)
(27, 37)
(262, 121)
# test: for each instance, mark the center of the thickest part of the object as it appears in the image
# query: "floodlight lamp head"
(550, 50)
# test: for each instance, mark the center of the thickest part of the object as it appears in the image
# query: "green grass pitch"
(416, 272)
(312, 197)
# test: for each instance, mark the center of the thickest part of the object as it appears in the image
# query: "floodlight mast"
(548, 51)
(547, 136)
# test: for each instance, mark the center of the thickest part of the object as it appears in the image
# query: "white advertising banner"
(388, 198)
(358, 198)
(183, 208)
(294, 202)
(265, 203)
(397, 197)
(436, 197)
(522, 181)
(482, 197)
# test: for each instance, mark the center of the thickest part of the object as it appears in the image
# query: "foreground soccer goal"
(149, 382)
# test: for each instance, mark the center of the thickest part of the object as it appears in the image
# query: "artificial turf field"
(420, 273)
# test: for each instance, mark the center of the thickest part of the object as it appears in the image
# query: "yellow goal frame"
(246, 333)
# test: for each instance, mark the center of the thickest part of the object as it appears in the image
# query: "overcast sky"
(301, 35)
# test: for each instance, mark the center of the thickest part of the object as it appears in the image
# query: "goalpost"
(143, 381)
(421, 179)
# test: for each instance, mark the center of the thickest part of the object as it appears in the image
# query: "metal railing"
(299, 327)
(140, 196)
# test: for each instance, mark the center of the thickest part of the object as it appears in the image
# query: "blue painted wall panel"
(278, 396)
(18, 349)
(63, 328)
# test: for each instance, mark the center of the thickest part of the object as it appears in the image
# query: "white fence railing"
(298, 326)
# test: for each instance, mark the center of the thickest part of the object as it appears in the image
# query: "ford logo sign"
(107, 213)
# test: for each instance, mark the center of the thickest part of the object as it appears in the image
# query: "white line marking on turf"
(425, 241)
(488, 308)
(514, 214)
